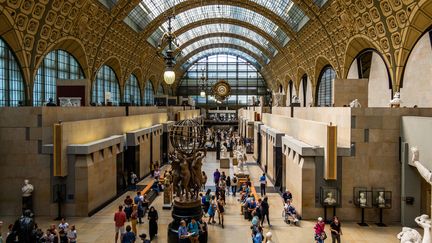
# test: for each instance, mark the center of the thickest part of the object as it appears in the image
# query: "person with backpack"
(134, 181)
(263, 183)
(234, 185)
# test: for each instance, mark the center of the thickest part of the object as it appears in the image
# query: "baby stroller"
(290, 215)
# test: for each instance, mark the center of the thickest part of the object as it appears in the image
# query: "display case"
(381, 198)
(362, 197)
(329, 197)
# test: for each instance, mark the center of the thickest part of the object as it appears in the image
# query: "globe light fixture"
(203, 94)
(169, 37)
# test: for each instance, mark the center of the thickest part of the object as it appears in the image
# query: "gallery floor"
(100, 227)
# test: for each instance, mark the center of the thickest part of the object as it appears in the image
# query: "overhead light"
(169, 74)
(203, 94)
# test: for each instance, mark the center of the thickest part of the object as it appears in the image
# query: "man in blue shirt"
(263, 183)
(128, 237)
(193, 228)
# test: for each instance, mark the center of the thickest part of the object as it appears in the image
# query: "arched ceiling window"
(57, 64)
(132, 92)
(224, 40)
(11, 80)
(226, 28)
(223, 11)
(160, 90)
(215, 51)
(148, 10)
(148, 93)
(106, 81)
(245, 80)
(324, 96)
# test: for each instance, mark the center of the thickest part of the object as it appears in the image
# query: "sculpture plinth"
(188, 139)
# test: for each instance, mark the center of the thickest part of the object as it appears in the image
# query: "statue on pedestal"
(223, 151)
(330, 200)
(27, 198)
(363, 200)
(188, 139)
(381, 200)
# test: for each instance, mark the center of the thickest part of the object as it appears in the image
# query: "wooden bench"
(151, 194)
(254, 193)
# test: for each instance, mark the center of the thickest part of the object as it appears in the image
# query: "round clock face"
(222, 89)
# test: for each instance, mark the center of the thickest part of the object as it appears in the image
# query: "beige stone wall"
(300, 181)
(145, 156)
(270, 157)
(188, 114)
(156, 148)
(347, 90)
(339, 116)
(263, 150)
(95, 181)
(417, 83)
(310, 132)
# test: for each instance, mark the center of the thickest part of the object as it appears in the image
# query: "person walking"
(216, 177)
(153, 218)
(263, 183)
(128, 202)
(257, 236)
(221, 210)
(133, 218)
(204, 180)
(320, 234)
(211, 210)
(144, 239)
(336, 231)
(228, 185)
(128, 237)
(265, 211)
(207, 200)
(234, 185)
(119, 219)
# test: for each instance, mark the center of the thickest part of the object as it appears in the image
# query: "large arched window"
(290, 91)
(160, 90)
(57, 64)
(325, 87)
(304, 81)
(106, 81)
(132, 93)
(148, 93)
(11, 80)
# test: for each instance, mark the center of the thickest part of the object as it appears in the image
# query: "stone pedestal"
(235, 161)
(185, 210)
(224, 163)
(167, 197)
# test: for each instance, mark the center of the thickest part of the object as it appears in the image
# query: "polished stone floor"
(100, 227)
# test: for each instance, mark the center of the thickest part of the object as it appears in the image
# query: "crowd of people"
(25, 230)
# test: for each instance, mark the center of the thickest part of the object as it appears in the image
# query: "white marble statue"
(423, 221)
(362, 200)
(223, 151)
(330, 200)
(424, 172)
(355, 104)
(27, 189)
(396, 101)
(240, 160)
(381, 200)
(409, 235)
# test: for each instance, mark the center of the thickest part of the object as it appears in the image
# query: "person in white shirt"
(63, 225)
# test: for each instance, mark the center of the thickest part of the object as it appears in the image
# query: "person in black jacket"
(265, 211)
(153, 227)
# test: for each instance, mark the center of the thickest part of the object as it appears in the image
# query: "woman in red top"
(320, 234)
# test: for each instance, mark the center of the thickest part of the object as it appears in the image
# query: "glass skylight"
(227, 12)
(226, 28)
(320, 3)
(290, 12)
(220, 50)
(108, 3)
(148, 10)
(223, 40)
